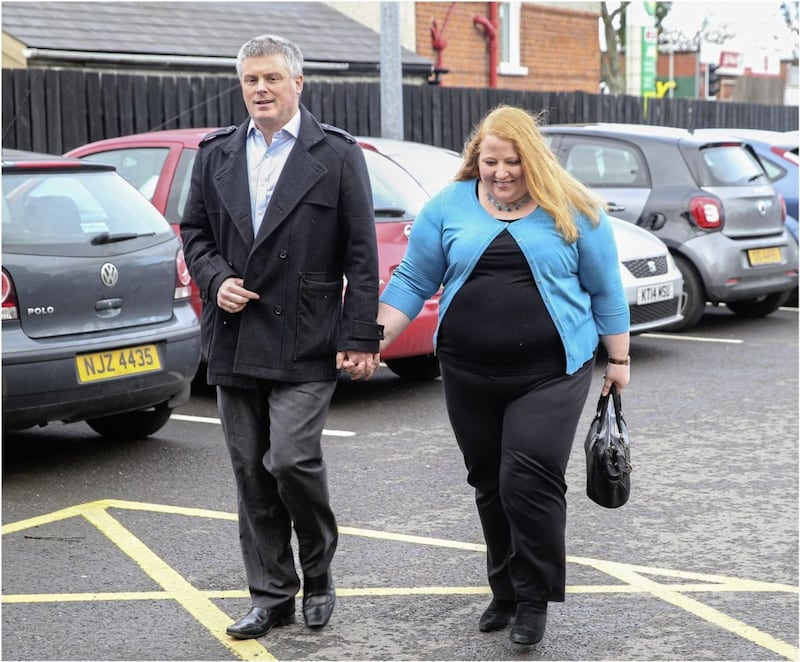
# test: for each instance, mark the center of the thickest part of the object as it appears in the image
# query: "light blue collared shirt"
(265, 164)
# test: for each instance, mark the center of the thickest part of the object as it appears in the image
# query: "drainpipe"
(439, 43)
(489, 26)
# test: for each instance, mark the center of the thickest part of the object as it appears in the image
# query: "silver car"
(97, 320)
(705, 196)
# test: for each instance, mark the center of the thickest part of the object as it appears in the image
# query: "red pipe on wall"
(489, 26)
(439, 43)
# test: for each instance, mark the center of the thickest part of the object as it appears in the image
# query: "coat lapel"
(233, 184)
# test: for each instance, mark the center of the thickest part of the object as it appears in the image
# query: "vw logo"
(109, 274)
(762, 207)
(407, 230)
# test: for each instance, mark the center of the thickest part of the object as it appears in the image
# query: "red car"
(159, 165)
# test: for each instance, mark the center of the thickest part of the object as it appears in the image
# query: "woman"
(527, 261)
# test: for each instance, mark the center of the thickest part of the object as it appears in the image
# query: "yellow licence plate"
(117, 363)
(764, 256)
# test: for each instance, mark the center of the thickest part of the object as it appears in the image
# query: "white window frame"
(509, 29)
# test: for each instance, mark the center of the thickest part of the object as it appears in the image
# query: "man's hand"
(358, 364)
(232, 297)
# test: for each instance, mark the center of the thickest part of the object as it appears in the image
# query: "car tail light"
(783, 207)
(10, 309)
(787, 154)
(183, 281)
(706, 213)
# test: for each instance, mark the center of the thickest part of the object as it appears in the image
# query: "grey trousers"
(274, 435)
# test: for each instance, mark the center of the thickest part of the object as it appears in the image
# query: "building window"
(510, 24)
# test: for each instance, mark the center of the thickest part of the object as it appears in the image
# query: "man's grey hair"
(268, 44)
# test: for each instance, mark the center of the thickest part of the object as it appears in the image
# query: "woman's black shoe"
(529, 623)
(497, 615)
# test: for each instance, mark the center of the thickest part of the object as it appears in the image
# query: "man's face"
(271, 95)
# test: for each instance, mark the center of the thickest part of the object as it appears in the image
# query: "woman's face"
(500, 169)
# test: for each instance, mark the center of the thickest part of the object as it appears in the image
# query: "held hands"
(232, 297)
(358, 364)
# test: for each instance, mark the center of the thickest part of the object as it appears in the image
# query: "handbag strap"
(602, 403)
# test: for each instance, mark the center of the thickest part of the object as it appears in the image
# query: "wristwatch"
(625, 361)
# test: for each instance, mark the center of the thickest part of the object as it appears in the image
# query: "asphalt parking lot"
(130, 551)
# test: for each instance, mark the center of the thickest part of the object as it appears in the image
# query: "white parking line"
(667, 336)
(216, 421)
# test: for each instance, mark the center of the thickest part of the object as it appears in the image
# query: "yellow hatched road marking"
(669, 594)
(186, 595)
(199, 603)
(389, 591)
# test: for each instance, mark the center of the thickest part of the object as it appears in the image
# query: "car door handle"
(106, 308)
(613, 206)
(107, 304)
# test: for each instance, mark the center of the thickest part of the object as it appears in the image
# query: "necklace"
(511, 206)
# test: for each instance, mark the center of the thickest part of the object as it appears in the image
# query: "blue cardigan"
(579, 283)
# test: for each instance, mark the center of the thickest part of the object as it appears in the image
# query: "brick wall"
(684, 64)
(558, 46)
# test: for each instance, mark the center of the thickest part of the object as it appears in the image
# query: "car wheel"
(132, 424)
(416, 368)
(693, 301)
(759, 307)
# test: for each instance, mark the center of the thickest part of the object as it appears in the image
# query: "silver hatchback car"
(97, 321)
(705, 196)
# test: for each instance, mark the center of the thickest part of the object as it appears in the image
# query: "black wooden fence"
(54, 110)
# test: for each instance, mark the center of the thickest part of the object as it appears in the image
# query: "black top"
(497, 322)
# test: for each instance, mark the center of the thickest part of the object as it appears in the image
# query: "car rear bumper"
(726, 271)
(40, 382)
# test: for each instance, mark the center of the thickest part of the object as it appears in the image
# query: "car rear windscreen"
(78, 207)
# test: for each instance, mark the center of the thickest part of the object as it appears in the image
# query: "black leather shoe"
(319, 597)
(497, 615)
(259, 621)
(529, 623)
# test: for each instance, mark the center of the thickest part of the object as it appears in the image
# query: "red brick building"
(542, 48)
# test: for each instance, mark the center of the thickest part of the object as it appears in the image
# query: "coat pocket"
(319, 311)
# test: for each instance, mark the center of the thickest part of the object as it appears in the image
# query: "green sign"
(649, 60)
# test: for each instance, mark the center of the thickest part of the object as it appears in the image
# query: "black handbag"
(608, 454)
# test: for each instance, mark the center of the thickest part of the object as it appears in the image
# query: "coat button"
(283, 255)
(277, 310)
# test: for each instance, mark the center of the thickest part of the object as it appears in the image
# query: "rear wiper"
(109, 238)
(394, 212)
(756, 176)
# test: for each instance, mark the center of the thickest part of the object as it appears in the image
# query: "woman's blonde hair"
(552, 187)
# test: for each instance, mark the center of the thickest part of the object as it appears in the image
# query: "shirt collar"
(292, 127)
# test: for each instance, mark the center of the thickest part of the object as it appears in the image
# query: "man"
(279, 213)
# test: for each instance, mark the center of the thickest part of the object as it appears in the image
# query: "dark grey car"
(97, 320)
(706, 198)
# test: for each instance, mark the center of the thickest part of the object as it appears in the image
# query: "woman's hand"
(616, 374)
